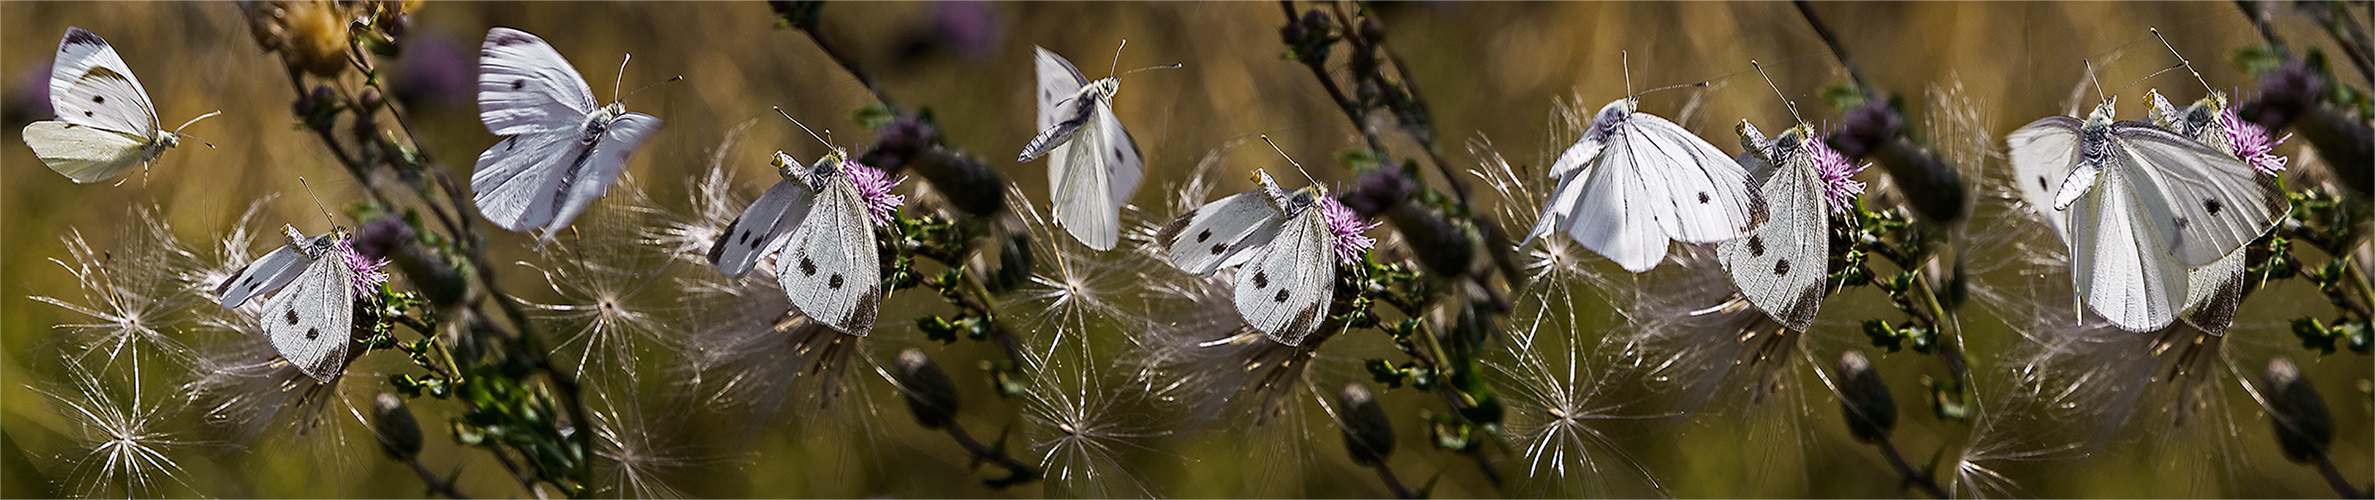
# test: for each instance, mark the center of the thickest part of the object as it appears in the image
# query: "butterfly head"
(599, 121)
(2102, 116)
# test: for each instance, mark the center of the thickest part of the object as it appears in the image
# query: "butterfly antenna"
(803, 126)
(2189, 65)
(616, 82)
(1117, 58)
(654, 84)
(1793, 105)
(317, 201)
(177, 130)
(1166, 66)
(2090, 76)
(1289, 160)
(2124, 88)
(1626, 59)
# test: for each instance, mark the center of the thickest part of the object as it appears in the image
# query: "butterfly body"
(1093, 164)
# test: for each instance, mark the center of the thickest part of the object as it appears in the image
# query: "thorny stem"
(2360, 290)
(1915, 476)
(1949, 337)
(1393, 483)
(1018, 472)
(1831, 39)
(2342, 486)
(435, 484)
(2259, 19)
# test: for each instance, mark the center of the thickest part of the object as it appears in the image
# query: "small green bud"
(1863, 396)
(399, 435)
(2303, 426)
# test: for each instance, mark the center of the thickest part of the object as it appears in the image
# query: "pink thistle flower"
(1348, 226)
(367, 275)
(2250, 143)
(881, 206)
(1839, 186)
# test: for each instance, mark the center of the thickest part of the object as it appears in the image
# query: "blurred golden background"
(1488, 70)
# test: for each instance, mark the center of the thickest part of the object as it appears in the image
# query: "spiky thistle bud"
(399, 435)
(1368, 434)
(2303, 426)
(1863, 396)
(929, 393)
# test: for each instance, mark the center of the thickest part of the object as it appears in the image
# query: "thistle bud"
(1439, 245)
(1368, 434)
(1372, 31)
(399, 435)
(1871, 413)
(1377, 192)
(2303, 426)
(929, 393)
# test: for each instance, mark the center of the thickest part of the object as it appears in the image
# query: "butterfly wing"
(525, 87)
(1062, 106)
(1610, 214)
(517, 182)
(90, 85)
(828, 266)
(270, 272)
(599, 168)
(768, 219)
(312, 322)
(1288, 290)
(1780, 266)
(1124, 167)
(1208, 237)
(2213, 292)
(1083, 195)
(1696, 193)
(2118, 263)
(2042, 153)
(2207, 202)
(85, 153)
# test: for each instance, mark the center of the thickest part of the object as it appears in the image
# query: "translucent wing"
(2118, 258)
(311, 322)
(2213, 292)
(592, 176)
(2208, 203)
(525, 87)
(1559, 212)
(1609, 216)
(1123, 165)
(517, 182)
(1696, 193)
(828, 266)
(1781, 265)
(84, 153)
(1286, 293)
(768, 220)
(2042, 153)
(90, 85)
(1063, 108)
(1208, 237)
(270, 272)
(1083, 194)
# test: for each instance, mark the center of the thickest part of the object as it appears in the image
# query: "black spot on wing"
(1206, 235)
(1261, 279)
(2042, 184)
(87, 114)
(834, 282)
(1703, 197)
(1281, 298)
(2212, 205)
(517, 83)
(292, 316)
(1781, 267)
(313, 333)
(99, 99)
(807, 266)
(1218, 248)
(1756, 246)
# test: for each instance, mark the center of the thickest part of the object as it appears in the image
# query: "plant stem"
(2342, 486)
(1912, 475)
(1831, 39)
(1385, 472)
(435, 484)
(1017, 471)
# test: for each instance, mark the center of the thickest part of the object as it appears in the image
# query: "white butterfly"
(815, 223)
(1093, 165)
(312, 323)
(105, 124)
(1292, 282)
(1781, 265)
(2142, 209)
(1635, 181)
(561, 152)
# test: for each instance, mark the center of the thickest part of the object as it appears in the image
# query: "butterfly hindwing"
(2210, 203)
(84, 153)
(1204, 240)
(516, 181)
(1781, 265)
(1696, 192)
(599, 168)
(2118, 258)
(274, 270)
(828, 266)
(1083, 195)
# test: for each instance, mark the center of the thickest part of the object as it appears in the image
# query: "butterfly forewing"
(828, 266)
(83, 153)
(2042, 153)
(525, 87)
(311, 322)
(1206, 239)
(87, 67)
(2120, 264)
(769, 219)
(274, 270)
(516, 181)
(1697, 194)
(1083, 196)
(1123, 165)
(2211, 202)
(1287, 291)
(599, 168)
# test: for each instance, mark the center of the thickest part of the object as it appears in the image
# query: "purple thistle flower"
(1839, 186)
(2249, 142)
(1347, 226)
(367, 276)
(881, 205)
